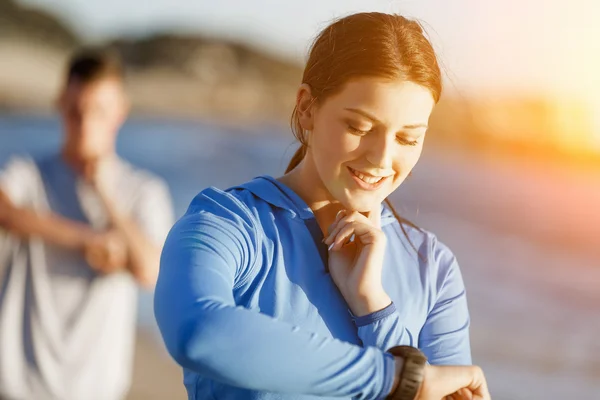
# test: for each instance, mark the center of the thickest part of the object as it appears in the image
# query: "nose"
(381, 150)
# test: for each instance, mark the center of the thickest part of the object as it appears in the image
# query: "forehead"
(390, 101)
(101, 91)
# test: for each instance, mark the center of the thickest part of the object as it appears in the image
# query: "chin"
(93, 153)
(89, 156)
(361, 204)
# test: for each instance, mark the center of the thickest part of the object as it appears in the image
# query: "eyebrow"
(372, 118)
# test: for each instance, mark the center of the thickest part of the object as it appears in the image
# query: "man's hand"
(106, 252)
(100, 174)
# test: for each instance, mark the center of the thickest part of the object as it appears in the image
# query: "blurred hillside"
(173, 75)
(170, 75)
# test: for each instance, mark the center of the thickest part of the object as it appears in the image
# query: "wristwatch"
(412, 374)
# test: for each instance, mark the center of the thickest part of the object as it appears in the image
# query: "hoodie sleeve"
(205, 331)
(444, 337)
(383, 329)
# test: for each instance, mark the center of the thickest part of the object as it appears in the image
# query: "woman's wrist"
(364, 305)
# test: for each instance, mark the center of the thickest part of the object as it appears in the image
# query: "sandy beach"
(155, 375)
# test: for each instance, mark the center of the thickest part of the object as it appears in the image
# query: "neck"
(304, 181)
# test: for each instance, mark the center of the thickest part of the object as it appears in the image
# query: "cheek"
(406, 161)
(412, 157)
(334, 146)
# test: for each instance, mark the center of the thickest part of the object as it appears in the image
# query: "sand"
(155, 375)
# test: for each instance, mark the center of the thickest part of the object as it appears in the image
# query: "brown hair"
(367, 44)
(91, 64)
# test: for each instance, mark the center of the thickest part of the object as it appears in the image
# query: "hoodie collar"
(279, 195)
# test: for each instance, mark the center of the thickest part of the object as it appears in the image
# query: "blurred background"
(510, 176)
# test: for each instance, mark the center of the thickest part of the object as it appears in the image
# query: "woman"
(297, 287)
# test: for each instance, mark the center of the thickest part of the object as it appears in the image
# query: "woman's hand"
(451, 382)
(356, 250)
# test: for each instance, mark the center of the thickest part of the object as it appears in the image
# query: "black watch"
(412, 374)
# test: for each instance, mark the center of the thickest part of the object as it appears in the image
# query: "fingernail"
(352, 238)
(330, 246)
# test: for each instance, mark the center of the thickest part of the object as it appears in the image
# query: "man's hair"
(91, 64)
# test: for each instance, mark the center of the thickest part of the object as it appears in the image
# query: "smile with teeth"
(369, 179)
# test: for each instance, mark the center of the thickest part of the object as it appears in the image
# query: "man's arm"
(50, 227)
(144, 229)
(104, 251)
(142, 255)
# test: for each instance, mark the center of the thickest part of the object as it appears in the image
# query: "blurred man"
(77, 231)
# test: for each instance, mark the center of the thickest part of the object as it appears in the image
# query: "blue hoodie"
(246, 306)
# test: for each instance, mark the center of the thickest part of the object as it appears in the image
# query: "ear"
(305, 107)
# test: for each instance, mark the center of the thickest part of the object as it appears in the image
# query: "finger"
(478, 385)
(342, 237)
(363, 232)
(117, 259)
(340, 214)
(465, 394)
(349, 218)
(94, 259)
(470, 378)
(343, 221)
(462, 394)
(481, 393)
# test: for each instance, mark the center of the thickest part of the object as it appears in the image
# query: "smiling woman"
(308, 285)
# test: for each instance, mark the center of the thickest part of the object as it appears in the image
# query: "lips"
(367, 181)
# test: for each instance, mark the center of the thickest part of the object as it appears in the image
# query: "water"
(527, 239)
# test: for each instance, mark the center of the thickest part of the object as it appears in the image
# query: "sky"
(492, 46)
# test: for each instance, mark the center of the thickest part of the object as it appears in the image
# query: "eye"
(357, 132)
(405, 142)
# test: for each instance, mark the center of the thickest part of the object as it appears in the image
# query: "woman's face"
(365, 140)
